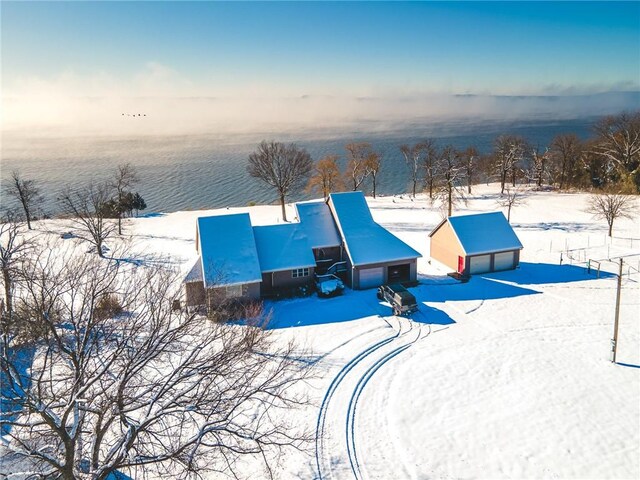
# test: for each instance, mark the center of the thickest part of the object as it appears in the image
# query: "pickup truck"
(401, 300)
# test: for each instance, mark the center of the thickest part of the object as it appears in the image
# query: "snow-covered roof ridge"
(318, 223)
(283, 247)
(366, 242)
(481, 233)
(228, 250)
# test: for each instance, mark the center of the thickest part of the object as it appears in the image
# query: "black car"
(401, 300)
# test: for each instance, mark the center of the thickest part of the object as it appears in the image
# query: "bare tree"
(510, 199)
(373, 164)
(449, 187)
(357, 167)
(413, 158)
(508, 152)
(469, 158)
(619, 143)
(611, 206)
(540, 165)
(14, 247)
(431, 157)
(122, 382)
(26, 192)
(566, 151)
(284, 167)
(87, 209)
(326, 177)
(124, 178)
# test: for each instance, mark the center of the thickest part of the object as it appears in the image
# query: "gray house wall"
(194, 294)
(284, 279)
(413, 270)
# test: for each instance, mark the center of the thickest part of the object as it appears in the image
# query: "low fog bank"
(314, 116)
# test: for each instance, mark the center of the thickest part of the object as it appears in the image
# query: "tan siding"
(445, 247)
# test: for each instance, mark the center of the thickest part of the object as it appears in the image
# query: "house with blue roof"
(478, 243)
(338, 237)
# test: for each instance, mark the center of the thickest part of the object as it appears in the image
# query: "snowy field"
(506, 376)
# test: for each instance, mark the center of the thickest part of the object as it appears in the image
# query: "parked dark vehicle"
(401, 300)
(328, 285)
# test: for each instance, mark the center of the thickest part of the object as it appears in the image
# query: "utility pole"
(614, 342)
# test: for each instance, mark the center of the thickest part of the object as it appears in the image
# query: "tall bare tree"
(619, 143)
(284, 167)
(357, 167)
(26, 192)
(121, 382)
(413, 158)
(469, 158)
(540, 165)
(326, 177)
(124, 178)
(431, 157)
(610, 206)
(510, 199)
(87, 210)
(508, 153)
(373, 166)
(566, 151)
(450, 191)
(14, 247)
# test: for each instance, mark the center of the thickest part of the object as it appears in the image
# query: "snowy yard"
(506, 376)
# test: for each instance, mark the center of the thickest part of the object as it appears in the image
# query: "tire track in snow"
(322, 415)
(355, 397)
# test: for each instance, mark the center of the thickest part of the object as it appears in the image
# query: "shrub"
(108, 306)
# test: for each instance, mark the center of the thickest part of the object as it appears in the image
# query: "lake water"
(207, 171)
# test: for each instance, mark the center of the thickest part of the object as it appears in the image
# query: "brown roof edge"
(444, 220)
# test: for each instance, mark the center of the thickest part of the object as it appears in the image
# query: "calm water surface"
(208, 171)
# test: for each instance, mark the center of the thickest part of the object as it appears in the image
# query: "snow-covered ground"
(506, 376)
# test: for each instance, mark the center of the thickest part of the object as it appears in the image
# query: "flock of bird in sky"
(134, 114)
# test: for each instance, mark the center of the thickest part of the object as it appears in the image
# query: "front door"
(460, 264)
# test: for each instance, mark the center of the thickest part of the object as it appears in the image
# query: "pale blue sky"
(203, 48)
(296, 65)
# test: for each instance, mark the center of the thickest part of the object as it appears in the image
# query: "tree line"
(89, 207)
(609, 162)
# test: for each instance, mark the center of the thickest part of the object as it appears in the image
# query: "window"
(300, 272)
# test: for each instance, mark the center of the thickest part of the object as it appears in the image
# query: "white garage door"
(503, 261)
(371, 277)
(480, 264)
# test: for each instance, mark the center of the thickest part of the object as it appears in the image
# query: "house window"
(233, 291)
(300, 272)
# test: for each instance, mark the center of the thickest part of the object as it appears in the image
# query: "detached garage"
(473, 244)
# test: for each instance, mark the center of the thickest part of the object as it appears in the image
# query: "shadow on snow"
(354, 305)
(12, 391)
(547, 273)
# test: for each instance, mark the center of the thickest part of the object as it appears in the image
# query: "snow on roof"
(228, 250)
(365, 240)
(195, 274)
(318, 223)
(484, 233)
(283, 247)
